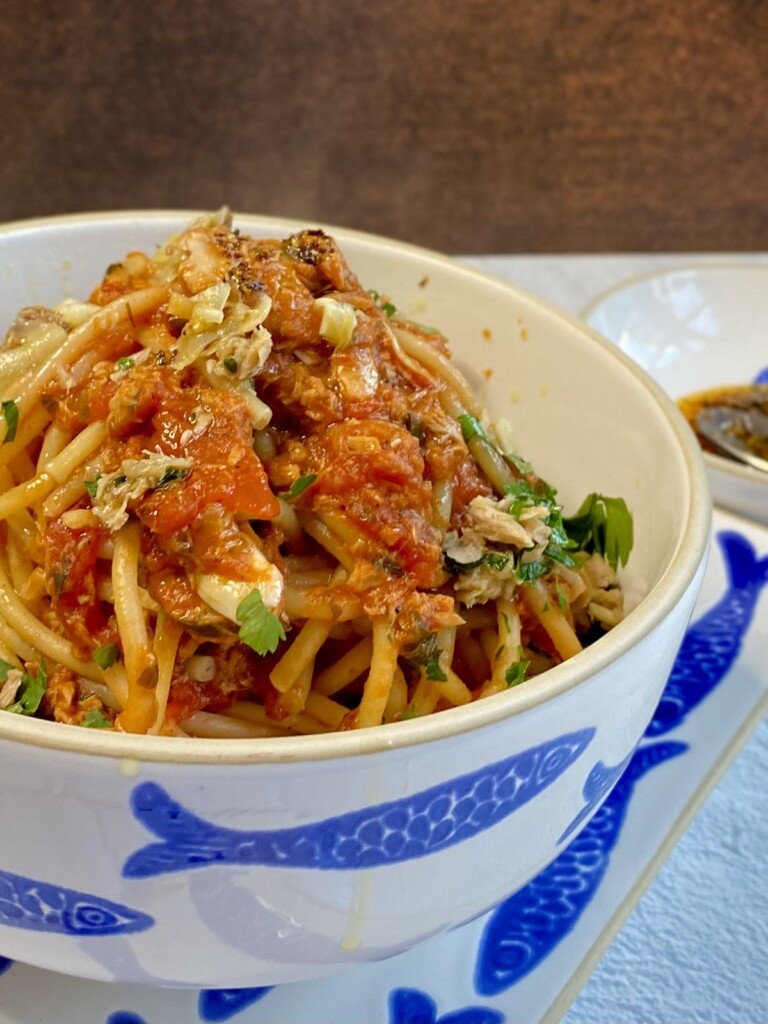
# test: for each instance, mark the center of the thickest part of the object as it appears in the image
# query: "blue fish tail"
(744, 567)
(648, 757)
(188, 841)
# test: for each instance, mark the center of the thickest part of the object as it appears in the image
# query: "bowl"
(250, 862)
(694, 329)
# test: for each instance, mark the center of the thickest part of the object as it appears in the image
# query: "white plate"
(527, 960)
(693, 329)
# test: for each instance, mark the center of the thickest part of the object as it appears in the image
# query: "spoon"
(724, 427)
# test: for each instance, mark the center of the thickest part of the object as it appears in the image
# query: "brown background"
(472, 126)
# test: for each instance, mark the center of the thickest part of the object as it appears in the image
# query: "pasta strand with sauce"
(241, 497)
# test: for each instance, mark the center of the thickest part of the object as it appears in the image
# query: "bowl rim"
(718, 463)
(651, 611)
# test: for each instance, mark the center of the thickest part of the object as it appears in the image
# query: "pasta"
(242, 497)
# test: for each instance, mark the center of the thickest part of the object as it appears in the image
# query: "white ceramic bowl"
(694, 329)
(232, 863)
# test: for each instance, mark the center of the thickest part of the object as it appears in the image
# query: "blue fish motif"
(412, 1006)
(5, 964)
(599, 782)
(42, 907)
(762, 377)
(712, 644)
(218, 1004)
(389, 833)
(525, 928)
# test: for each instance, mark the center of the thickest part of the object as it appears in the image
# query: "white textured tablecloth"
(696, 946)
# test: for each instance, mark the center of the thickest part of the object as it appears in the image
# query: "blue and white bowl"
(692, 330)
(247, 862)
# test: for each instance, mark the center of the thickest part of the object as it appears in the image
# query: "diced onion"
(338, 323)
(201, 668)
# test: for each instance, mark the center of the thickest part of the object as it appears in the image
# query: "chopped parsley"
(382, 303)
(299, 486)
(528, 572)
(95, 719)
(432, 669)
(426, 654)
(171, 474)
(106, 656)
(60, 577)
(518, 462)
(30, 691)
(11, 415)
(603, 525)
(493, 559)
(260, 628)
(125, 363)
(230, 364)
(515, 674)
(471, 428)
(92, 486)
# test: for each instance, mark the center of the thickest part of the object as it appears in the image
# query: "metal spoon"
(716, 423)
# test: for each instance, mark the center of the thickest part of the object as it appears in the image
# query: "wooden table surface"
(475, 126)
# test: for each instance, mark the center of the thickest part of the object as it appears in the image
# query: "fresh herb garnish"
(106, 656)
(515, 674)
(92, 486)
(470, 428)
(518, 462)
(60, 577)
(432, 669)
(11, 415)
(95, 719)
(389, 566)
(527, 572)
(125, 363)
(414, 426)
(383, 304)
(171, 474)
(230, 364)
(299, 486)
(603, 525)
(495, 560)
(31, 688)
(260, 628)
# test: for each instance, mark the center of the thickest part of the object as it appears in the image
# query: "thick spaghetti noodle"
(242, 497)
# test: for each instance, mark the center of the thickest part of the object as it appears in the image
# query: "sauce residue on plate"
(745, 406)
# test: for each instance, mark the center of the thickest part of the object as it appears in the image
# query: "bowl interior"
(578, 409)
(692, 329)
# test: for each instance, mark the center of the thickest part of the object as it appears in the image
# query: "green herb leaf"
(5, 668)
(410, 713)
(515, 674)
(518, 462)
(230, 364)
(432, 669)
(11, 414)
(95, 719)
(31, 691)
(60, 577)
(172, 474)
(603, 525)
(92, 486)
(125, 363)
(260, 628)
(471, 428)
(106, 656)
(527, 572)
(299, 486)
(495, 560)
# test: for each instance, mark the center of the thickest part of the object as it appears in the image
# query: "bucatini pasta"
(240, 496)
